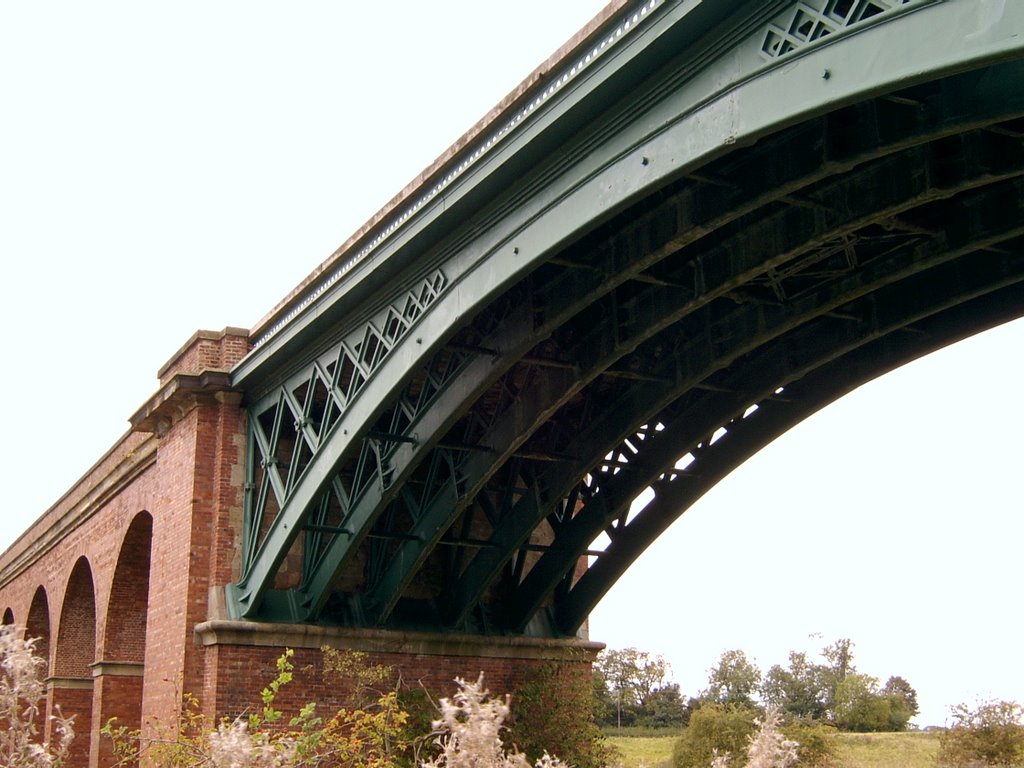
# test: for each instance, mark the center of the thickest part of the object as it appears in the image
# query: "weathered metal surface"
(726, 217)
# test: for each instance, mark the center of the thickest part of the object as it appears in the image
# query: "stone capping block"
(250, 633)
(117, 669)
(75, 683)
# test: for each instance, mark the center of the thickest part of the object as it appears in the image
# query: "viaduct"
(695, 225)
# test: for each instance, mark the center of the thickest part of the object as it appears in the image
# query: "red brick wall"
(129, 561)
(78, 702)
(147, 526)
(242, 672)
(114, 696)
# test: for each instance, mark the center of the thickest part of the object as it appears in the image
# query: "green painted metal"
(723, 200)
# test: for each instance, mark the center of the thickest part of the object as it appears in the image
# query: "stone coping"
(117, 669)
(75, 683)
(250, 633)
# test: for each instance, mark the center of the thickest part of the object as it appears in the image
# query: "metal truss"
(658, 349)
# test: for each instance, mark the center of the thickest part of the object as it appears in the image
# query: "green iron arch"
(734, 217)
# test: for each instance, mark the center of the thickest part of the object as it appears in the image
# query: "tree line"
(632, 688)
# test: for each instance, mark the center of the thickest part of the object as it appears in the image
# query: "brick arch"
(8, 616)
(37, 625)
(76, 633)
(71, 684)
(125, 632)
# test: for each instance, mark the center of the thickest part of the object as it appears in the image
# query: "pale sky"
(169, 167)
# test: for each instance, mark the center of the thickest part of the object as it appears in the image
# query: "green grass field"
(854, 750)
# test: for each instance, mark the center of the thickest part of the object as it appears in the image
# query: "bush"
(817, 742)
(714, 729)
(992, 734)
(552, 712)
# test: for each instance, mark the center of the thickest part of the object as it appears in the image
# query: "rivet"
(644, 160)
(826, 74)
(515, 251)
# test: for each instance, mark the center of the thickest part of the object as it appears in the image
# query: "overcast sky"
(169, 167)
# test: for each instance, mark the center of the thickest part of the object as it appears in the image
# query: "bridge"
(693, 227)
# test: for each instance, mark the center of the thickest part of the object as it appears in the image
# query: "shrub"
(552, 711)
(714, 729)
(21, 691)
(817, 742)
(992, 734)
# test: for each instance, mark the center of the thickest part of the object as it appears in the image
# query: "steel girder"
(449, 454)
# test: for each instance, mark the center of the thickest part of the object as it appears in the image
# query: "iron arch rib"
(659, 306)
(898, 277)
(566, 335)
(775, 416)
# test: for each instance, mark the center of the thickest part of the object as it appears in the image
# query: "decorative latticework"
(291, 425)
(806, 22)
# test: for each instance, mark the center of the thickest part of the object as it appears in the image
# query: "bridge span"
(693, 227)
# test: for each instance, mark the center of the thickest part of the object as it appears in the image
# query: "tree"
(992, 734)
(903, 702)
(664, 708)
(838, 666)
(798, 690)
(630, 676)
(733, 681)
(858, 705)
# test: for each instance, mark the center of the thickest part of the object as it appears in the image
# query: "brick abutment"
(122, 580)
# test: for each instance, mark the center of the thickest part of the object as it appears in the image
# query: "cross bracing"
(457, 470)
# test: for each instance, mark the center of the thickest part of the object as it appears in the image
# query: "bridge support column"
(117, 693)
(73, 696)
(240, 660)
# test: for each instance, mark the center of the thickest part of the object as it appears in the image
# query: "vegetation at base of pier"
(386, 726)
(23, 705)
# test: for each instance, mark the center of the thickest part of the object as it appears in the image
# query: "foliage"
(733, 681)
(902, 701)
(358, 737)
(770, 748)
(470, 732)
(629, 678)
(551, 711)
(664, 708)
(21, 692)
(991, 734)
(818, 743)
(799, 690)
(836, 693)
(713, 729)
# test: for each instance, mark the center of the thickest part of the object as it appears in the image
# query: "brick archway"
(118, 673)
(71, 682)
(37, 625)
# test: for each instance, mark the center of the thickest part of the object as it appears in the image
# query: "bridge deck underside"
(658, 351)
